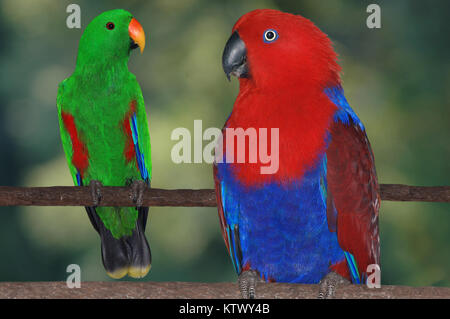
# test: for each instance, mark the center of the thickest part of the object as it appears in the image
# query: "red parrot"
(314, 219)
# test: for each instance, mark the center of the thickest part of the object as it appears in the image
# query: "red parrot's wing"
(230, 233)
(353, 198)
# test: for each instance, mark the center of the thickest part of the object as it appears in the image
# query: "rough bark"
(188, 290)
(121, 196)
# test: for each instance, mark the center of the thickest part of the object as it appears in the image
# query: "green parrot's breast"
(100, 115)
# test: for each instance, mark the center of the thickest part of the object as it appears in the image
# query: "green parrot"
(105, 136)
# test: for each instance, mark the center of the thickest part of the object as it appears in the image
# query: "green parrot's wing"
(65, 136)
(141, 137)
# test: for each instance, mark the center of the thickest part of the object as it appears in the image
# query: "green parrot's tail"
(127, 255)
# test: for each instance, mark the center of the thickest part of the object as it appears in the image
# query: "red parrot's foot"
(329, 283)
(247, 284)
(138, 188)
(96, 192)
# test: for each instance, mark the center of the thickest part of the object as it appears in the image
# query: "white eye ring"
(270, 36)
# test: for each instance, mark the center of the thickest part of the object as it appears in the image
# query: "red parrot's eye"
(270, 36)
(110, 26)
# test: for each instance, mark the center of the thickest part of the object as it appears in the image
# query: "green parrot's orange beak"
(136, 33)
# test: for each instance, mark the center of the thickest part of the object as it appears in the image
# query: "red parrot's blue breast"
(282, 229)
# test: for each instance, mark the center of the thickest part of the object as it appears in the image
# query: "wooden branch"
(111, 196)
(163, 290)
(403, 193)
(121, 196)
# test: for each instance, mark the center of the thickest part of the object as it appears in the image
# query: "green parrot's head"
(110, 36)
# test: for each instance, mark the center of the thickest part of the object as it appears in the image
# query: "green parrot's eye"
(110, 26)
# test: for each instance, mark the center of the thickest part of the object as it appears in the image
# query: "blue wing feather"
(228, 213)
(79, 180)
(139, 156)
(344, 113)
(351, 262)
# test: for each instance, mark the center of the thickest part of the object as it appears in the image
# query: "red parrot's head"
(269, 48)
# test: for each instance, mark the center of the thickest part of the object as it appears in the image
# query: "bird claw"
(329, 283)
(247, 284)
(96, 192)
(138, 188)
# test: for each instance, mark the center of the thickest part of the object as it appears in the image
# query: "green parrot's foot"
(138, 188)
(96, 192)
(329, 284)
(247, 284)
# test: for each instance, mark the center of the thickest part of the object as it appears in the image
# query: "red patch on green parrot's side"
(129, 150)
(80, 154)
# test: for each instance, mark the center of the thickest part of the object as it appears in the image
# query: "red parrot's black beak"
(234, 58)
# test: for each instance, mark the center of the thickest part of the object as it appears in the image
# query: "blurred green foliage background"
(397, 79)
